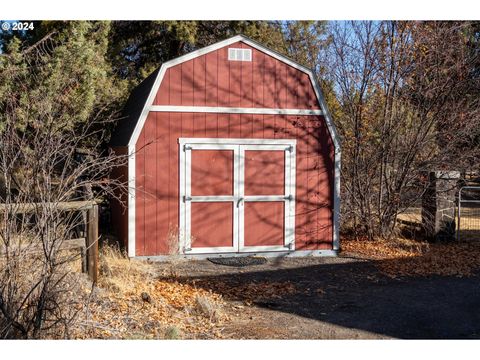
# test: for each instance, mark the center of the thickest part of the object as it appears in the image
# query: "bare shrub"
(41, 135)
(173, 333)
(173, 248)
(205, 307)
(173, 241)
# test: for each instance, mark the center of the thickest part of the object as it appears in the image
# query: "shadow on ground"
(353, 294)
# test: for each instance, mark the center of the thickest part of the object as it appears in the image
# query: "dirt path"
(337, 298)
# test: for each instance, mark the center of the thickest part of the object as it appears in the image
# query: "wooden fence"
(88, 245)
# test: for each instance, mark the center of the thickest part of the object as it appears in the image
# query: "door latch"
(239, 201)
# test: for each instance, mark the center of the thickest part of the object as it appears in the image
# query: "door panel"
(264, 172)
(209, 201)
(265, 179)
(237, 197)
(212, 172)
(212, 224)
(264, 223)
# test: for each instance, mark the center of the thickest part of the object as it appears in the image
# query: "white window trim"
(146, 109)
(238, 199)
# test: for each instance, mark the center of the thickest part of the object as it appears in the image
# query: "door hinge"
(186, 198)
(186, 147)
(289, 197)
(290, 148)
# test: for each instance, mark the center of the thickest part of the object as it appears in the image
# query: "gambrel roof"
(142, 97)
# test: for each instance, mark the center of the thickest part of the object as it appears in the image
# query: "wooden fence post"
(92, 242)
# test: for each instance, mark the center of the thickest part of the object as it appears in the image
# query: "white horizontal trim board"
(235, 141)
(267, 254)
(233, 110)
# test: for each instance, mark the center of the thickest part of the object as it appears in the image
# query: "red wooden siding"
(119, 204)
(212, 80)
(157, 172)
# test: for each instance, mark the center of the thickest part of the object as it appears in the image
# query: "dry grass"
(29, 283)
(469, 222)
(120, 274)
(131, 302)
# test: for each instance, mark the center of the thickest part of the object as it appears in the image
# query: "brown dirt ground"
(373, 290)
(359, 295)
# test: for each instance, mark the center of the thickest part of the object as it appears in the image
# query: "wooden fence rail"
(88, 246)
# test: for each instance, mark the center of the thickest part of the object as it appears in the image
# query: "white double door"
(237, 195)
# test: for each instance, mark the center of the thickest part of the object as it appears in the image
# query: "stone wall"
(439, 204)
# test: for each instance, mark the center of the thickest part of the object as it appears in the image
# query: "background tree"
(56, 97)
(137, 48)
(67, 63)
(408, 103)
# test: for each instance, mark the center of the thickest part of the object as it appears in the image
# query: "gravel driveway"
(341, 298)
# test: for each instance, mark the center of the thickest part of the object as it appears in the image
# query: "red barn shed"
(231, 151)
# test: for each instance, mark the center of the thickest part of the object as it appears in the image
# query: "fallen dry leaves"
(249, 292)
(403, 257)
(132, 302)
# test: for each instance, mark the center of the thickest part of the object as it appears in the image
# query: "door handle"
(239, 201)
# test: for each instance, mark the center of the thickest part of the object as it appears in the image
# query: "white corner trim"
(131, 201)
(153, 91)
(233, 110)
(337, 161)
